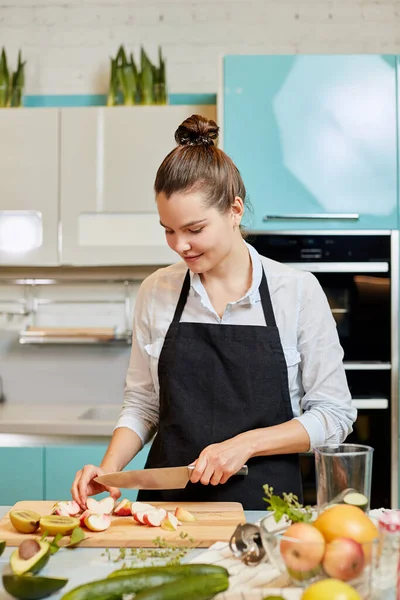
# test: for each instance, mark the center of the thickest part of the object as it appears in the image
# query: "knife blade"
(168, 478)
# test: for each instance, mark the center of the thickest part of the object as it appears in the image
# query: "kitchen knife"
(169, 478)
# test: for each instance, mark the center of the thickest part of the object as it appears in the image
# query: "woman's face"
(201, 235)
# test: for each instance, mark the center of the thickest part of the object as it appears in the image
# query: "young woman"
(235, 357)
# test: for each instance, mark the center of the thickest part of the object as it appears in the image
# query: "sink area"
(101, 413)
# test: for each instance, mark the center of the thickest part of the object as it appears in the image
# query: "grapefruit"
(343, 521)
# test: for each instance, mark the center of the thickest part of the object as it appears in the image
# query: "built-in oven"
(358, 272)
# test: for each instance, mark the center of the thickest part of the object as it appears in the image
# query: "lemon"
(330, 589)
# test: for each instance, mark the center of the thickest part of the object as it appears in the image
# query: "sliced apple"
(139, 517)
(123, 508)
(98, 522)
(184, 515)
(68, 508)
(83, 517)
(154, 518)
(170, 522)
(141, 507)
(100, 507)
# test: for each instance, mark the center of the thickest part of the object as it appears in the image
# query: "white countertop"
(57, 420)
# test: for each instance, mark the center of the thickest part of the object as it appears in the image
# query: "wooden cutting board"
(216, 521)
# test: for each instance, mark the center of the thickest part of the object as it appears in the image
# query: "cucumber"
(356, 499)
(196, 587)
(31, 587)
(184, 570)
(114, 587)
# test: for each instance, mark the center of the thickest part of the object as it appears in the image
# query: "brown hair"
(197, 163)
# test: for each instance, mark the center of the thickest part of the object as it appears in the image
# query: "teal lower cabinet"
(21, 474)
(62, 463)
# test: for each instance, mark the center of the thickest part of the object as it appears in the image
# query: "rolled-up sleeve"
(327, 410)
(140, 411)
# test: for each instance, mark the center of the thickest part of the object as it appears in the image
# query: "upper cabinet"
(29, 176)
(109, 160)
(314, 138)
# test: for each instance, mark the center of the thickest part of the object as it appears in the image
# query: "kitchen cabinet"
(29, 178)
(21, 474)
(314, 138)
(109, 160)
(62, 463)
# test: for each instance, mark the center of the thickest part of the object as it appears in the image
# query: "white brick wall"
(68, 42)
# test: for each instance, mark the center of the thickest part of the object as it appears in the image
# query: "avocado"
(31, 587)
(31, 556)
(2, 546)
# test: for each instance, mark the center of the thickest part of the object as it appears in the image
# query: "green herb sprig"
(288, 505)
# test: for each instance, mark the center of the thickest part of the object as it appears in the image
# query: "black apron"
(217, 381)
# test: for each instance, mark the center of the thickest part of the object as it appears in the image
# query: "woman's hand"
(84, 486)
(217, 462)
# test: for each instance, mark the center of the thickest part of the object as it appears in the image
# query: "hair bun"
(197, 131)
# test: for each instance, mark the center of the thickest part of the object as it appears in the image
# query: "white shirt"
(318, 388)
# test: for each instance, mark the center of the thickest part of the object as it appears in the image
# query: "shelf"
(35, 337)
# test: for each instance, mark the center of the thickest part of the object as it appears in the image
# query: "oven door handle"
(322, 216)
(371, 403)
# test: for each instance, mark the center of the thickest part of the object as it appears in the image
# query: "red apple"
(98, 522)
(184, 515)
(343, 559)
(170, 522)
(123, 508)
(154, 518)
(302, 549)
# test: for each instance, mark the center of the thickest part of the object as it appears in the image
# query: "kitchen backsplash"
(58, 374)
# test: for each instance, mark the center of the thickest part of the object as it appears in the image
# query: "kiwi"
(24, 521)
(54, 524)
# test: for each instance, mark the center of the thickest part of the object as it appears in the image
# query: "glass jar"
(386, 573)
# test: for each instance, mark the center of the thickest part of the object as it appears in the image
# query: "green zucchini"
(196, 587)
(184, 570)
(114, 587)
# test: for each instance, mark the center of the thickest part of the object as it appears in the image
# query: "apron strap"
(266, 302)
(264, 295)
(182, 298)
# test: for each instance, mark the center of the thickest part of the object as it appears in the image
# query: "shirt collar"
(251, 296)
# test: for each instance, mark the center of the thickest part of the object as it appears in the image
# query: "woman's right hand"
(84, 486)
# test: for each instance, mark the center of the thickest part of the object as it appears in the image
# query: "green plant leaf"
(76, 537)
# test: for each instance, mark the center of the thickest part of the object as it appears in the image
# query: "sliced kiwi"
(24, 521)
(54, 524)
(356, 499)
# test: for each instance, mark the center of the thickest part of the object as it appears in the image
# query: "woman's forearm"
(286, 438)
(124, 445)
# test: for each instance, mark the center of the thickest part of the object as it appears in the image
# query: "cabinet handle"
(322, 216)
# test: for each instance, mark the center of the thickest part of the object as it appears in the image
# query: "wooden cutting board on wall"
(216, 521)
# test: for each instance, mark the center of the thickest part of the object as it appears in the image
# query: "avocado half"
(2, 546)
(32, 565)
(28, 587)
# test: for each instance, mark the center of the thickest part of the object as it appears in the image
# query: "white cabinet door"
(109, 160)
(29, 177)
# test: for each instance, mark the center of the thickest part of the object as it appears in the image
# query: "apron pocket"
(292, 358)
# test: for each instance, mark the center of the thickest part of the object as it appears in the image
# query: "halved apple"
(101, 507)
(68, 508)
(98, 522)
(83, 516)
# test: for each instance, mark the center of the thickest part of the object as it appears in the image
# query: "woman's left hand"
(217, 462)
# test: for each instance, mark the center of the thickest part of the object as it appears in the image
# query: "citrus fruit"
(330, 589)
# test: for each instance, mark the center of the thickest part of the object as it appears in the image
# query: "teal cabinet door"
(62, 463)
(21, 474)
(314, 138)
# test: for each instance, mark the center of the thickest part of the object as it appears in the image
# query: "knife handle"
(243, 471)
